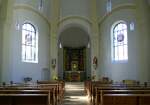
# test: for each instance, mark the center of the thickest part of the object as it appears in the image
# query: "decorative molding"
(77, 21)
(123, 6)
(74, 17)
(27, 7)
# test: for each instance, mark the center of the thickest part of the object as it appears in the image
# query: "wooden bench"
(119, 94)
(20, 96)
(31, 94)
(89, 88)
(60, 85)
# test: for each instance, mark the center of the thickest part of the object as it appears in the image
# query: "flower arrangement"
(93, 77)
(55, 77)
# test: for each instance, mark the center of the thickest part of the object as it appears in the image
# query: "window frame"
(113, 57)
(33, 47)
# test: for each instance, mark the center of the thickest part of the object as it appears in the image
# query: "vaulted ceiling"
(74, 37)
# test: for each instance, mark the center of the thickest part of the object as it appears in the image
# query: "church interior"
(97, 50)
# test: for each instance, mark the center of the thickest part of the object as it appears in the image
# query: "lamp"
(60, 46)
(132, 26)
(88, 46)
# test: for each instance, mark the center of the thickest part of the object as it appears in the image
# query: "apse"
(74, 37)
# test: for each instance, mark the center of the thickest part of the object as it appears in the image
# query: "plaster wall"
(42, 6)
(75, 8)
(118, 71)
(20, 69)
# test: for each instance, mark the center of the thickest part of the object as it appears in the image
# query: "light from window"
(29, 44)
(119, 42)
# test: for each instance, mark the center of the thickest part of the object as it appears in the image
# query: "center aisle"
(75, 94)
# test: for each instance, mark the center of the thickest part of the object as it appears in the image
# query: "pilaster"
(142, 14)
(53, 38)
(6, 44)
(94, 38)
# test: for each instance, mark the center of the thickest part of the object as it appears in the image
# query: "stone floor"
(75, 94)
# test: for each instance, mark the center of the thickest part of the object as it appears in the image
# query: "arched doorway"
(74, 54)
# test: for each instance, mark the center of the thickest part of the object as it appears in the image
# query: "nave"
(43, 93)
(75, 94)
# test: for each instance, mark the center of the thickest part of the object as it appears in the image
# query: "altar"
(74, 64)
(74, 76)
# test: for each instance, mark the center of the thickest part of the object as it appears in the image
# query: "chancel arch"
(74, 51)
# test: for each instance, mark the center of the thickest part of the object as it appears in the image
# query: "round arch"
(74, 21)
(71, 22)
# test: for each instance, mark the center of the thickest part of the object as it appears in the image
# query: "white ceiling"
(74, 37)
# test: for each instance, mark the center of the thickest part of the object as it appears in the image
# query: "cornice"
(119, 7)
(74, 17)
(27, 7)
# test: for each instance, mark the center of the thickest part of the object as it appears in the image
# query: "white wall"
(46, 10)
(21, 69)
(0, 40)
(137, 66)
(102, 4)
(118, 71)
(120, 2)
(6, 30)
(74, 8)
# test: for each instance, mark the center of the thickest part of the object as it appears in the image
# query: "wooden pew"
(59, 92)
(20, 95)
(39, 94)
(120, 94)
(90, 85)
(126, 93)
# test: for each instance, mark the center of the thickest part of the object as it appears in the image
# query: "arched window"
(29, 43)
(119, 42)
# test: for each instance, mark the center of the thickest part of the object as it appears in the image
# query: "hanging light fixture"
(88, 45)
(132, 26)
(60, 46)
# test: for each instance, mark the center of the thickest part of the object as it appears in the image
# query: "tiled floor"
(75, 94)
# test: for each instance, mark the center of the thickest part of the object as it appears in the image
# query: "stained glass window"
(119, 42)
(29, 43)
